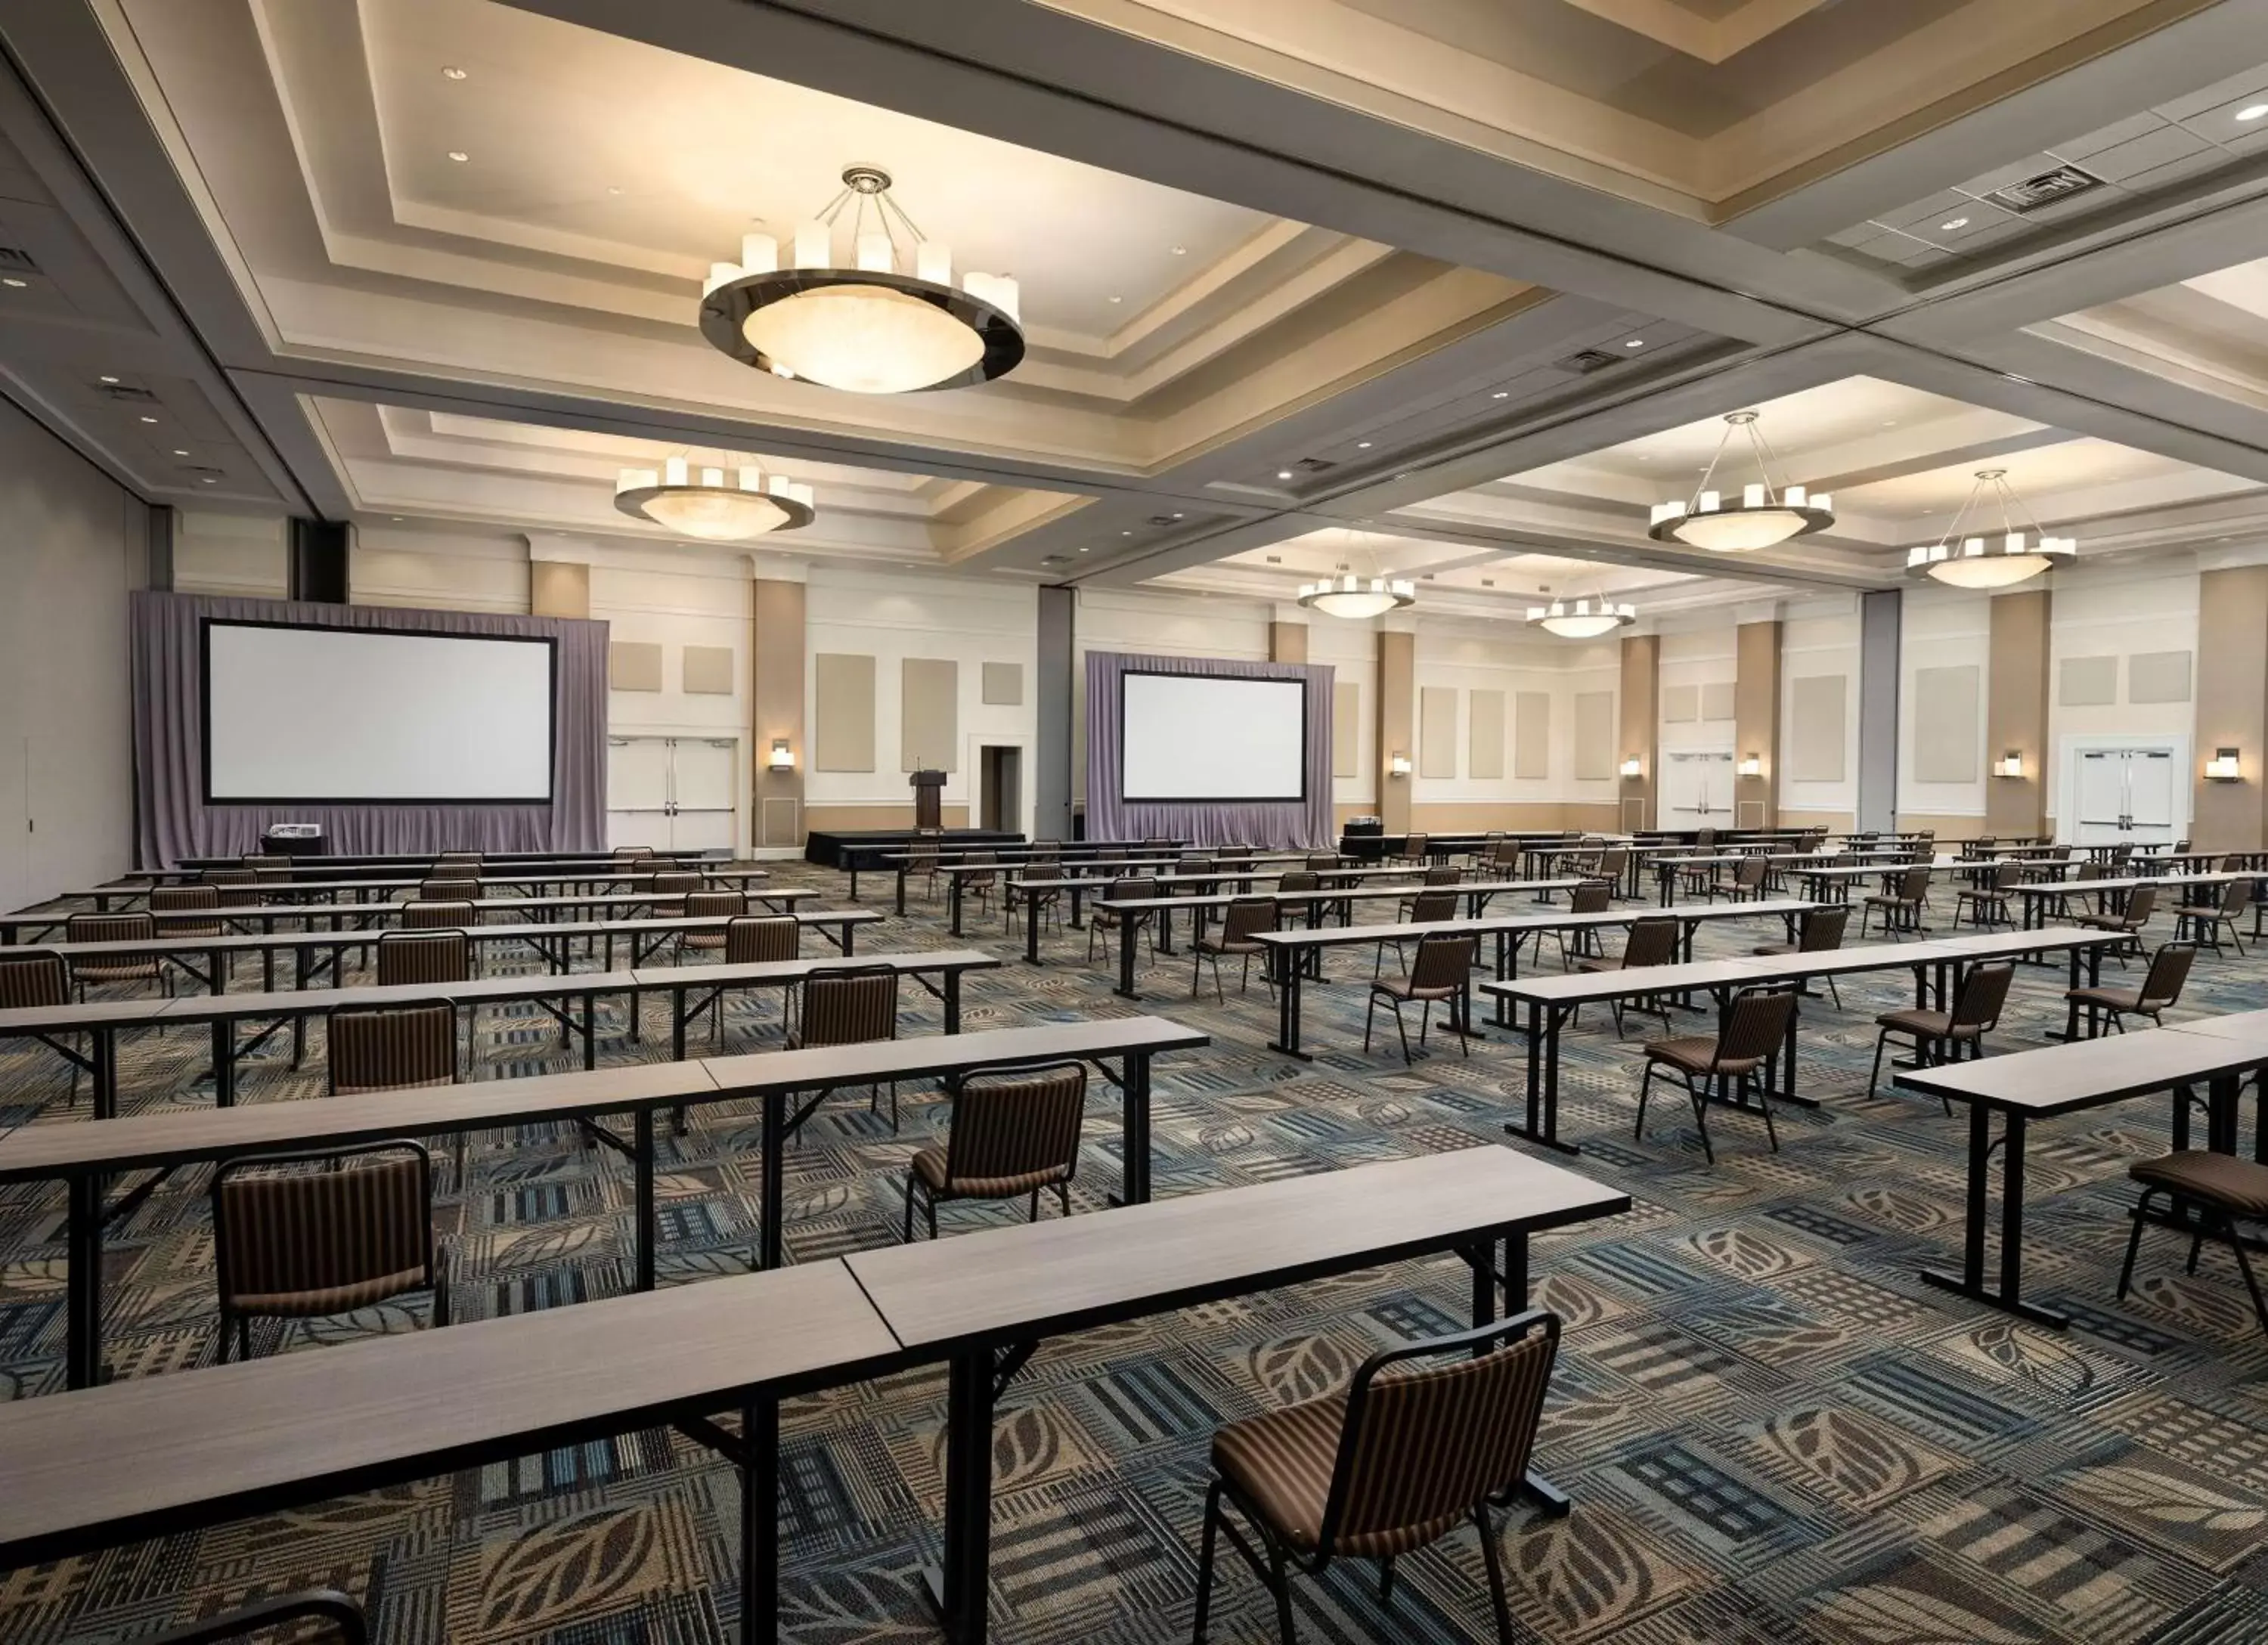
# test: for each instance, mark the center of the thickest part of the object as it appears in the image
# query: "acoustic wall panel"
(1719, 700)
(841, 712)
(1946, 727)
(1486, 733)
(2088, 682)
(1347, 730)
(780, 821)
(1004, 684)
(1816, 708)
(1531, 735)
(708, 670)
(929, 714)
(2158, 676)
(633, 667)
(1680, 705)
(1596, 757)
(1437, 732)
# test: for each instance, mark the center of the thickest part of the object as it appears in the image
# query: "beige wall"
(1952, 827)
(1480, 816)
(2232, 707)
(1641, 725)
(558, 588)
(2017, 711)
(776, 709)
(1756, 724)
(824, 818)
(1397, 724)
(1833, 822)
(1287, 642)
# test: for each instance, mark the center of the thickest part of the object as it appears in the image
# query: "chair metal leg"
(1874, 1077)
(1494, 1561)
(1282, 1585)
(1644, 1085)
(1206, 1548)
(2245, 1266)
(906, 1234)
(1700, 1102)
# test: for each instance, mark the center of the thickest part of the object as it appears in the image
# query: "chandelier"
(888, 321)
(1992, 562)
(1347, 595)
(1765, 513)
(715, 504)
(1581, 619)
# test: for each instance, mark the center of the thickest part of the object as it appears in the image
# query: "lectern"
(929, 799)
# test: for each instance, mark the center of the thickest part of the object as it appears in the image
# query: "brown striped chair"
(923, 858)
(1949, 1035)
(1396, 1462)
(1900, 905)
(1442, 971)
(121, 968)
(1240, 922)
(449, 862)
(2217, 1191)
(1429, 907)
(393, 1048)
(430, 957)
(1013, 1131)
(1819, 930)
(1653, 940)
(1725, 1069)
(34, 979)
(1592, 897)
(420, 914)
(2141, 902)
(709, 905)
(1432, 879)
(847, 1005)
(1102, 919)
(345, 1620)
(187, 912)
(2206, 921)
(2160, 993)
(307, 1236)
(264, 865)
(449, 889)
(677, 886)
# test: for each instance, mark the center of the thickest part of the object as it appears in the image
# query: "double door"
(673, 794)
(2127, 796)
(1697, 789)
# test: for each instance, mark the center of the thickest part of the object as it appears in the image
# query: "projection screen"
(296, 714)
(1190, 737)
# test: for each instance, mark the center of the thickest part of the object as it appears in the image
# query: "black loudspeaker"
(319, 561)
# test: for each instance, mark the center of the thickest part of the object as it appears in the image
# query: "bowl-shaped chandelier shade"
(1764, 514)
(1994, 560)
(714, 505)
(1347, 595)
(886, 320)
(1581, 619)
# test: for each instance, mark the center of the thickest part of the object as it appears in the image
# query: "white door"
(1696, 790)
(637, 791)
(2127, 794)
(703, 774)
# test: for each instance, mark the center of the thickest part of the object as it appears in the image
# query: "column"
(1641, 701)
(775, 712)
(1287, 641)
(2017, 711)
(1052, 786)
(319, 551)
(1880, 613)
(1397, 725)
(2232, 708)
(1756, 724)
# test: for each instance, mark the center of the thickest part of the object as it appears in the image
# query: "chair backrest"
(424, 956)
(1298, 880)
(307, 1241)
(709, 905)
(1322, 859)
(449, 859)
(2061, 853)
(1748, 872)
(850, 1004)
(632, 853)
(178, 899)
(921, 855)
(2092, 870)
(751, 940)
(392, 1048)
(2170, 970)
(1823, 929)
(1444, 960)
(2122, 851)
(1653, 940)
(32, 977)
(109, 927)
(2141, 902)
(1504, 853)
(1914, 885)
(1015, 1123)
(227, 877)
(1982, 994)
(1416, 844)
(455, 889)
(1246, 916)
(1428, 906)
(2233, 863)
(419, 914)
(1754, 1024)
(1131, 888)
(1192, 864)
(675, 885)
(1612, 862)
(1705, 839)
(1420, 1447)
(2006, 872)
(2236, 896)
(265, 864)
(1591, 897)
(1443, 875)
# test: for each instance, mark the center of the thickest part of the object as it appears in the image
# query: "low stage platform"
(828, 847)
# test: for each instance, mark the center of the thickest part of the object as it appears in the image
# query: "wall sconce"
(2223, 768)
(1632, 766)
(1398, 766)
(2009, 765)
(1753, 766)
(782, 756)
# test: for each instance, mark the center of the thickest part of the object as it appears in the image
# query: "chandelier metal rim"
(725, 309)
(1814, 520)
(1357, 598)
(1582, 619)
(1670, 522)
(799, 514)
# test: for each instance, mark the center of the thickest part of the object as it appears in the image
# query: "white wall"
(1159, 624)
(1942, 629)
(244, 555)
(1815, 640)
(2117, 612)
(892, 616)
(439, 571)
(76, 545)
(1351, 650)
(1698, 656)
(1479, 655)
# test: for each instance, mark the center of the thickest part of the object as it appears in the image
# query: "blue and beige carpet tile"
(1774, 1433)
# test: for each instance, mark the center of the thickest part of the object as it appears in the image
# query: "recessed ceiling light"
(180, 451)
(108, 380)
(1635, 342)
(613, 189)
(1117, 299)
(2252, 112)
(14, 284)
(452, 72)
(1951, 223)
(149, 419)
(1283, 474)
(1180, 251)
(1501, 393)
(1362, 445)
(1083, 548)
(459, 156)
(209, 480)
(1125, 534)
(396, 519)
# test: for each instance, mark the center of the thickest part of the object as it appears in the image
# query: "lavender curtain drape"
(171, 821)
(1292, 824)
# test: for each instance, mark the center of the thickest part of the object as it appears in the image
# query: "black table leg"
(1126, 924)
(1970, 1282)
(1541, 1126)
(590, 1028)
(951, 984)
(958, 1589)
(104, 1043)
(772, 1192)
(224, 1062)
(83, 1283)
(760, 1521)
(677, 1023)
(1165, 931)
(647, 1232)
(901, 893)
(1291, 972)
(953, 896)
(1031, 925)
(1134, 1129)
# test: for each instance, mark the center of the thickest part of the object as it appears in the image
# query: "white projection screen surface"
(1190, 737)
(298, 715)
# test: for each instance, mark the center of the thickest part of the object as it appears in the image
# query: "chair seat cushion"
(1599, 962)
(929, 1165)
(2221, 1180)
(1928, 1024)
(1409, 992)
(1228, 945)
(116, 971)
(2099, 922)
(2110, 999)
(1696, 1055)
(336, 1299)
(1776, 947)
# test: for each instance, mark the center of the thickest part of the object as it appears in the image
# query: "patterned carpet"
(1772, 1431)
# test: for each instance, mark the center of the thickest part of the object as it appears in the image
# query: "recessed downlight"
(149, 419)
(1952, 223)
(452, 72)
(459, 156)
(180, 451)
(2251, 112)
(1283, 474)
(1362, 445)
(106, 378)
(1635, 342)
(14, 284)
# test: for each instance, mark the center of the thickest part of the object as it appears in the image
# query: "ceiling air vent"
(200, 468)
(17, 261)
(2045, 190)
(1165, 519)
(1589, 361)
(127, 393)
(1315, 465)
(1054, 559)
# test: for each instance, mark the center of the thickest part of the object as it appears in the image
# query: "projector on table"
(294, 839)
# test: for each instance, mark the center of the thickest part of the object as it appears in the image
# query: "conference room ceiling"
(1475, 280)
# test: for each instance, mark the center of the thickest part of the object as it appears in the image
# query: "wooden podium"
(929, 799)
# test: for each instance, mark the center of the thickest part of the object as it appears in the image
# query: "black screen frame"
(205, 626)
(1215, 799)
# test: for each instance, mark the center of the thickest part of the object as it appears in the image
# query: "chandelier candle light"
(1992, 562)
(716, 504)
(890, 320)
(1581, 619)
(1764, 515)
